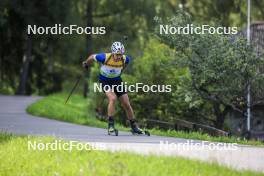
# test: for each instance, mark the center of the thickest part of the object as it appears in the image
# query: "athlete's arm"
(127, 60)
(88, 61)
(94, 57)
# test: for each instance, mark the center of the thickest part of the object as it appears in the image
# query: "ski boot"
(111, 127)
(135, 130)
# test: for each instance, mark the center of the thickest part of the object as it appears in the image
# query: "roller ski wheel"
(116, 132)
(140, 132)
(113, 131)
(147, 133)
(111, 128)
(135, 130)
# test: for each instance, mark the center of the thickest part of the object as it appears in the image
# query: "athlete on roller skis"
(112, 65)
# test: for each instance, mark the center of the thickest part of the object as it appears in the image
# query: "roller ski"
(135, 130)
(111, 128)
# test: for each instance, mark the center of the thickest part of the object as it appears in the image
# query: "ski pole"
(74, 87)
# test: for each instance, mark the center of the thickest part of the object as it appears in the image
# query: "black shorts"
(110, 83)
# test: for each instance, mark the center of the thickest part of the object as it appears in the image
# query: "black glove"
(85, 65)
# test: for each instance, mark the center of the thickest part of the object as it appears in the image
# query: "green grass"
(77, 111)
(17, 159)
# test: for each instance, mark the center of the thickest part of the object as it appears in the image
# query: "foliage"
(208, 73)
(221, 66)
(51, 55)
(156, 67)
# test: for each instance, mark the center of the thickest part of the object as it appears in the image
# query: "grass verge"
(77, 111)
(17, 159)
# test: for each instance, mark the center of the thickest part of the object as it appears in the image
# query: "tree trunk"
(39, 72)
(24, 68)
(220, 115)
(29, 82)
(89, 10)
(220, 121)
(1, 71)
(50, 59)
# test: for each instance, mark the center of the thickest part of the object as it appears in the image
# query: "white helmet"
(118, 48)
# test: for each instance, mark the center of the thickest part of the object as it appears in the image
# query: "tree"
(220, 66)
(19, 51)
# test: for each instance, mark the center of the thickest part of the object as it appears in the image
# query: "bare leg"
(111, 103)
(127, 107)
(130, 114)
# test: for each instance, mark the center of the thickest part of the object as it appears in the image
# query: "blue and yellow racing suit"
(110, 70)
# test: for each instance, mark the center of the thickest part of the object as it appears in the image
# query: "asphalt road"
(14, 119)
